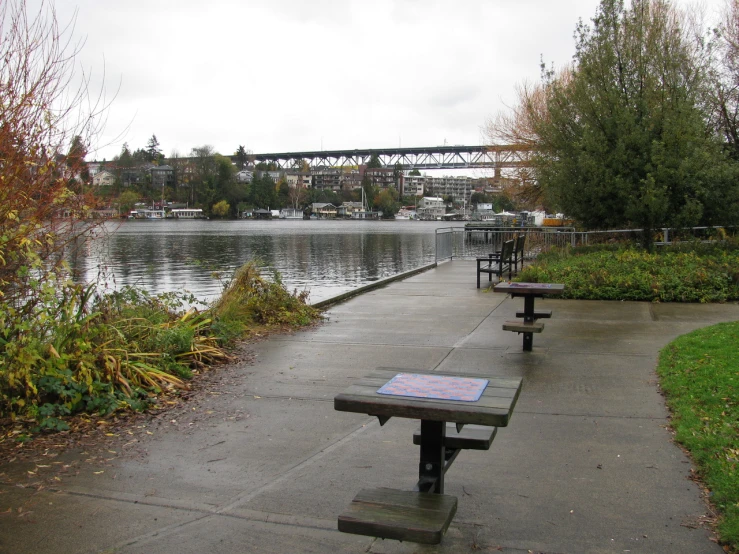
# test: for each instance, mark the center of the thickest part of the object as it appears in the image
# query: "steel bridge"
(431, 157)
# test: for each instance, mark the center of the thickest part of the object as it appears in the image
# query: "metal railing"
(473, 242)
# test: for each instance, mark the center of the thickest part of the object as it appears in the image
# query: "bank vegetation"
(68, 348)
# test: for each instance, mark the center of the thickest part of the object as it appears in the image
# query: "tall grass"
(79, 350)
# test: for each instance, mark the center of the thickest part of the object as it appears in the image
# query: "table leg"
(431, 465)
(528, 317)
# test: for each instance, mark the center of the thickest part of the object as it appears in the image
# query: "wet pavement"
(263, 462)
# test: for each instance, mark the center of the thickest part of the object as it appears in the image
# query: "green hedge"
(690, 273)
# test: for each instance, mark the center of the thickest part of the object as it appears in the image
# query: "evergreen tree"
(623, 140)
(153, 152)
(242, 157)
(374, 162)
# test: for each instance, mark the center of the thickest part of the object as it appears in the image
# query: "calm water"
(325, 257)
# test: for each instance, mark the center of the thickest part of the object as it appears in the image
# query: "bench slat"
(537, 314)
(523, 327)
(471, 437)
(401, 515)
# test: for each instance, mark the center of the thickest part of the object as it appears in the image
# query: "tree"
(220, 209)
(387, 202)
(43, 115)
(262, 193)
(127, 200)
(414, 172)
(153, 152)
(203, 176)
(242, 157)
(723, 98)
(519, 126)
(75, 161)
(296, 196)
(226, 187)
(374, 162)
(622, 139)
(397, 174)
(370, 190)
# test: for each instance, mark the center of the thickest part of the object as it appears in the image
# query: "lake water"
(325, 257)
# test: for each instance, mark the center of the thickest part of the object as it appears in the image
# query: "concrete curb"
(377, 284)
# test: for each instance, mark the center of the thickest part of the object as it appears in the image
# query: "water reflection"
(326, 257)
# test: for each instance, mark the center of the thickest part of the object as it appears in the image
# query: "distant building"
(431, 207)
(336, 179)
(300, 179)
(324, 210)
(348, 208)
(162, 176)
(413, 185)
(244, 176)
(103, 179)
(383, 177)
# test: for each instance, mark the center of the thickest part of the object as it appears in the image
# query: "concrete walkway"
(263, 463)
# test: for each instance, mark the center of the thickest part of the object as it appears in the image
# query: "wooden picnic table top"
(523, 289)
(494, 408)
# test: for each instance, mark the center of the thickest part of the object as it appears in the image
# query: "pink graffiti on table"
(440, 387)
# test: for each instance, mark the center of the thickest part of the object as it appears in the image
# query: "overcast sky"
(296, 75)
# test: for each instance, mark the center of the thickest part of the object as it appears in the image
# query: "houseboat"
(291, 213)
(187, 213)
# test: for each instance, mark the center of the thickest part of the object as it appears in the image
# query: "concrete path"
(263, 463)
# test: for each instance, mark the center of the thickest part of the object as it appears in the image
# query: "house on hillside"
(244, 176)
(103, 178)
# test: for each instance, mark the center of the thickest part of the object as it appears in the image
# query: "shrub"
(685, 273)
(75, 350)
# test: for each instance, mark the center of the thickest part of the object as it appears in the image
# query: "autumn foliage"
(47, 121)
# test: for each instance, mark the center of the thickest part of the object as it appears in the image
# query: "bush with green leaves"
(684, 273)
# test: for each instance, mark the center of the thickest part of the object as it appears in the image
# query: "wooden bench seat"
(537, 314)
(471, 437)
(401, 515)
(523, 326)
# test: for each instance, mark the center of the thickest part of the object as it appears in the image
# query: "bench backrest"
(506, 253)
(520, 241)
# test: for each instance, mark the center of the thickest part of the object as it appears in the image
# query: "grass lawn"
(699, 374)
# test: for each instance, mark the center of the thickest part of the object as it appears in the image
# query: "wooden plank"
(538, 314)
(471, 437)
(523, 289)
(493, 409)
(401, 515)
(523, 326)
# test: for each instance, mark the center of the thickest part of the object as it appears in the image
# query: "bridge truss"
(436, 157)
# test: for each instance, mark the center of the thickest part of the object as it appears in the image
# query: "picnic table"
(529, 292)
(457, 411)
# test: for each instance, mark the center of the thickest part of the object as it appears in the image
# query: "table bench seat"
(539, 314)
(523, 326)
(401, 515)
(471, 437)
